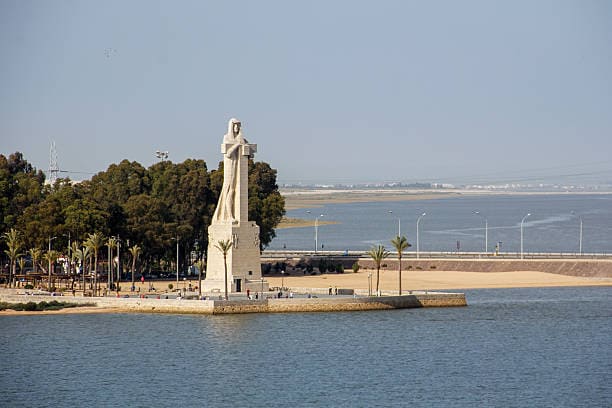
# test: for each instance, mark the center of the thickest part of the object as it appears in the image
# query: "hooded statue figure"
(232, 141)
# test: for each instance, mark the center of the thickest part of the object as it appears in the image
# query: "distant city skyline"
(332, 92)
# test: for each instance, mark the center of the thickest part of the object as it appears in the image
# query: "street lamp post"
(370, 284)
(316, 231)
(522, 221)
(486, 237)
(580, 239)
(177, 260)
(161, 155)
(118, 261)
(399, 225)
(417, 233)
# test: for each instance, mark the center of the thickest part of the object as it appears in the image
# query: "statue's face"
(236, 128)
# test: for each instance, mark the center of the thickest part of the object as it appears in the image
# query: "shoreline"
(315, 198)
(418, 281)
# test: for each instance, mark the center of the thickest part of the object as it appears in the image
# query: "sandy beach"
(438, 280)
(413, 279)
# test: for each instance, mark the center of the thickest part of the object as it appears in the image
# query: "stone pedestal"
(243, 258)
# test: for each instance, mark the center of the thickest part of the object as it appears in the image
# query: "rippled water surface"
(509, 348)
(554, 224)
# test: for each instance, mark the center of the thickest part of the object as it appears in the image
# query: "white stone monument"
(231, 222)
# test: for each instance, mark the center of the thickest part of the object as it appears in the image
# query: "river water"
(553, 226)
(509, 348)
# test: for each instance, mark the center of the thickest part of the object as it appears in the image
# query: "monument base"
(242, 262)
(215, 287)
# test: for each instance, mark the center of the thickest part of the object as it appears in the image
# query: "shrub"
(29, 286)
(356, 267)
(170, 286)
(432, 267)
(339, 268)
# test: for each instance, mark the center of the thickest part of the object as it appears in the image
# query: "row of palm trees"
(95, 241)
(379, 253)
(79, 255)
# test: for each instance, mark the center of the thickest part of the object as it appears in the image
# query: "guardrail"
(280, 254)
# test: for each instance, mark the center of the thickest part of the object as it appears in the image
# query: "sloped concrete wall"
(582, 268)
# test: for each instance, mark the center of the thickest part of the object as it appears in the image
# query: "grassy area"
(39, 307)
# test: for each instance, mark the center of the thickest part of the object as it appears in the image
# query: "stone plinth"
(243, 263)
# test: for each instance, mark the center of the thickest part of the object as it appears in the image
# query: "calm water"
(552, 227)
(509, 348)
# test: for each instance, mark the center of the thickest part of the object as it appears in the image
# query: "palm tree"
(35, 253)
(135, 251)
(95, 242)
(378, 253)
(111, 243)
(50, 257)
(83, 254)
(73, 258)
(224, 247)
(400, 244)
(22, 263)
(13, 242)
(200, 265)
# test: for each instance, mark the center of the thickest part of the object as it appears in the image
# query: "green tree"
(266, 205)
(224, 247)
(22, 263)
(21, 186)
(13, 242)
(83, 255)
(378, 253)
(74, 257)
(111, 244)
(35, 254)
(135, 251)
(200, 265)
(94, 243)
(400, 244)
(50, 257)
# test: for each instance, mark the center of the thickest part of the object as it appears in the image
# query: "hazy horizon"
(341, 92)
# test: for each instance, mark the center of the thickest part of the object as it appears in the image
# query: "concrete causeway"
(272, 305)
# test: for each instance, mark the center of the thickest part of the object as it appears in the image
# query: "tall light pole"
(580, 234)
(580, 239)
(399, 225)
(118, 261)
(486, 245)
(316, 225)
(522, 221)
(161, 155)
(50, 239)
(177, 260)
(417, 233)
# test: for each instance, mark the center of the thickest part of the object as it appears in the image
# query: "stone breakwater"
(331, 304)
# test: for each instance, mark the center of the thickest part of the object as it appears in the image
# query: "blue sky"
(331, 91)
